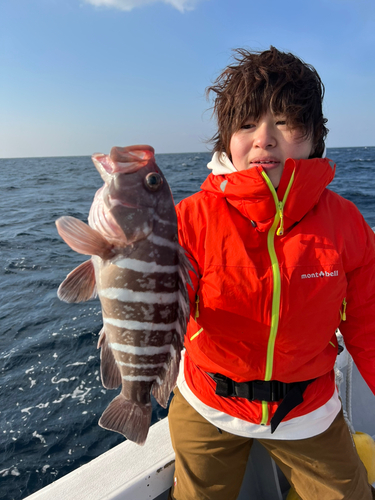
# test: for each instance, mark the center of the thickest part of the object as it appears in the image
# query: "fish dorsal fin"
(82, 238)
(79, 285)
(161, 391)
(184, 279)
(185, 266)
(109, 371)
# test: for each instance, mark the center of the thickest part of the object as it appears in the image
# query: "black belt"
(264, 390)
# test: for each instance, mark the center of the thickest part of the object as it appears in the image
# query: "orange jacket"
(275, 272)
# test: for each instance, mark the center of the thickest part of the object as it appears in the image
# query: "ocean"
(51, 396)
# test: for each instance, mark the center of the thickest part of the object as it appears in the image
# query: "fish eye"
(153, 181)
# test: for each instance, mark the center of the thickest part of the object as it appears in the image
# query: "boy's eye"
(247, 126)
(281, 122)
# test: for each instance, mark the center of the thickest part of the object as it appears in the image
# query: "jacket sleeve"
(187, 244)
(359, 327)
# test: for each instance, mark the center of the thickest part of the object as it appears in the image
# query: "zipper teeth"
(264, 413)
(275, 313)
(276, 280)
(275, 298)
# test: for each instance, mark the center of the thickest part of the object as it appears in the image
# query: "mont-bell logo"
(322, 274)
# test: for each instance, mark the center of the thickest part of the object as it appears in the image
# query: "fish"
(140, 273)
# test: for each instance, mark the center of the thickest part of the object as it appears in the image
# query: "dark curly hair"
(258, 81)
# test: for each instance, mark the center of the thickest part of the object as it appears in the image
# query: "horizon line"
(156, 154)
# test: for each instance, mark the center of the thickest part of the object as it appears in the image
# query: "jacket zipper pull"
(280, 231)
(196, 307)
(343, 313)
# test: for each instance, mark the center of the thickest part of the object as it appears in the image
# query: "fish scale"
(140, 273)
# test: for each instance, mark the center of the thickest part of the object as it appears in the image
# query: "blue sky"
(80, 76)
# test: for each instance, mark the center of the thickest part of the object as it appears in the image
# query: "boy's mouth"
(265, 163)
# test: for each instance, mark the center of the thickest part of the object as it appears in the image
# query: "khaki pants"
(210, 465)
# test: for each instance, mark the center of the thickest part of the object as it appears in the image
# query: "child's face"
(268, 142)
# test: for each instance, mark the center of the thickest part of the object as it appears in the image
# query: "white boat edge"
(127, 472)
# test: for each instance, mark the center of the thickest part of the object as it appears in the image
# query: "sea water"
(51, 396)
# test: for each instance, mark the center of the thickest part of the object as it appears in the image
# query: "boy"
(278, 271)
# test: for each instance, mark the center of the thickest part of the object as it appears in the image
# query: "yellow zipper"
(275, 312)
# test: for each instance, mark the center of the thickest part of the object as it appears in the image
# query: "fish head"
(134, 195)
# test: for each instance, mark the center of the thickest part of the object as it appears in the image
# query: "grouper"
(140, 273)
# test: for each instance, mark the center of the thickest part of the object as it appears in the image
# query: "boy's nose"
(264, 137)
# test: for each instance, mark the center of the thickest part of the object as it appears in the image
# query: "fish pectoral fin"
(127, 417)
(109, 371)
(79, 285)
(82, 238)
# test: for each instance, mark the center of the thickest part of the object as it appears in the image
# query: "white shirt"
(303, 427)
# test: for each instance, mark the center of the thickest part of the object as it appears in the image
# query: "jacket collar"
(249, 192)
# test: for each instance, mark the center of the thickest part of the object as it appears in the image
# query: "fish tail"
(129, 418)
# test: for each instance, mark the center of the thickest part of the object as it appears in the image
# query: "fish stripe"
(164, 221)
(139, 281)
(146, 366)
(151, 251)
(126, 295)
(139, 311)
(157, 240)
(142, 351)
(141, 325)
(139, 338)
(142, 359)
(144, 267)
(142, 378)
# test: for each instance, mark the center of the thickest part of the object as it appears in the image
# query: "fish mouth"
(124, 160)
(138, 153)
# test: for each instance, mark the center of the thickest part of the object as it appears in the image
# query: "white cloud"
(127, 5)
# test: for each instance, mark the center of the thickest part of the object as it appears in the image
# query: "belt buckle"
(262, 390)
(224, 385)
(279, 390)
(244, 390)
